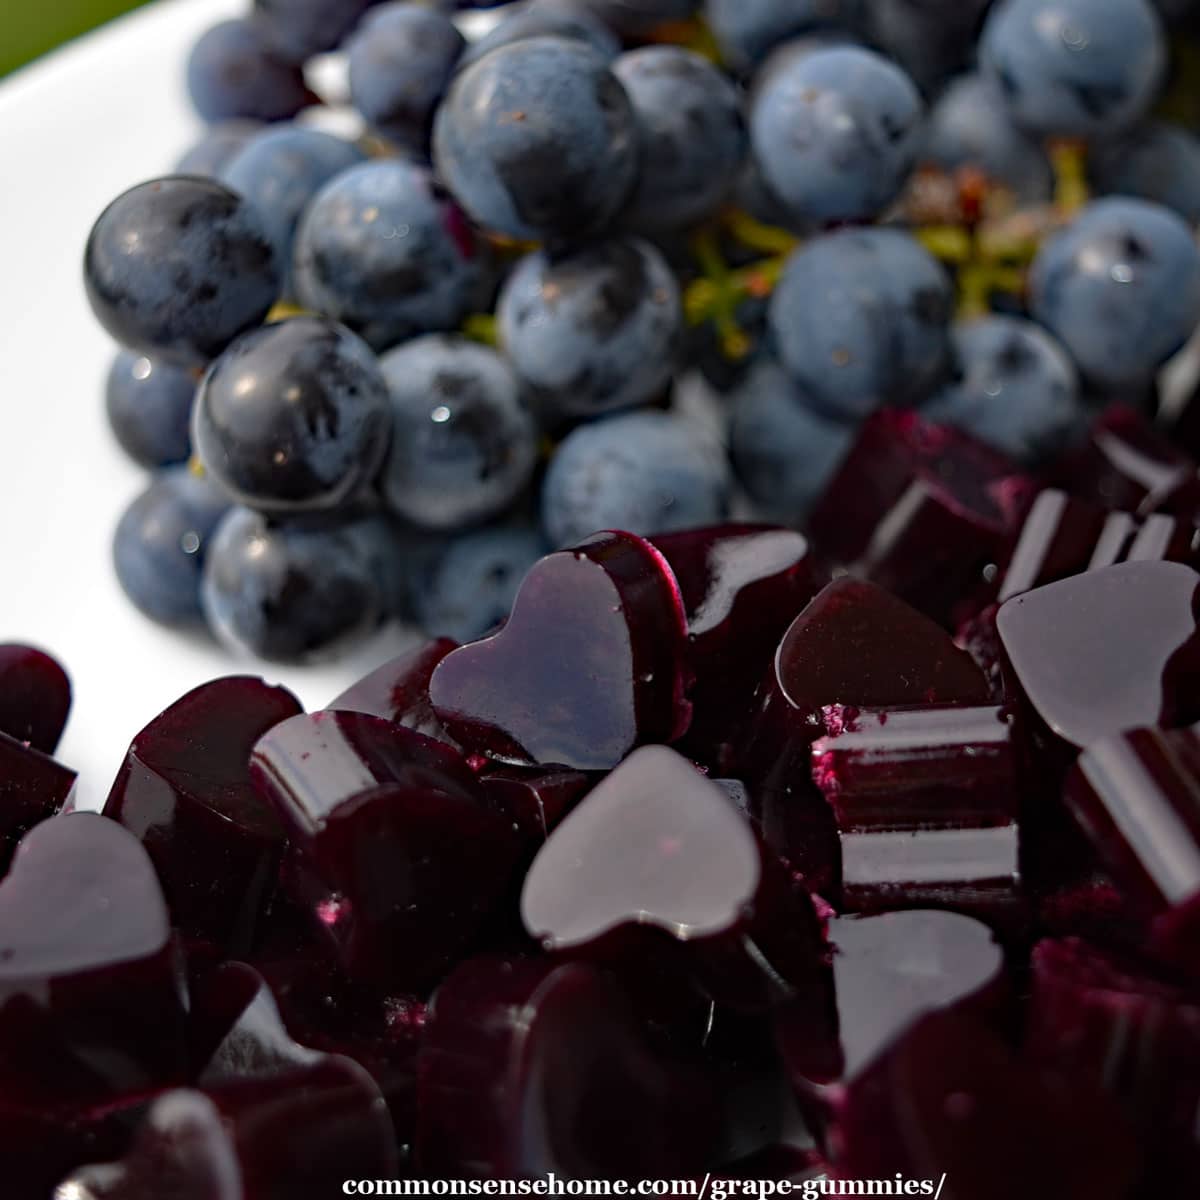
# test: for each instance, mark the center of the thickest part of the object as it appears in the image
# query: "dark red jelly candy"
(1137, 796)
(919, 509)
(854, 645)
(532, 1066)
(657, 844)
(742, 586)
(1107, 651)
(396, 857)
(91, 992)
(1125, 463)
(925, 801)
(889, 971)
(589, 664)
(32, 787)
(949, 1101)
(535, 799)
(399, 690)
(299, 1134)
(1064, 536)
(35, 697)
(184, 789)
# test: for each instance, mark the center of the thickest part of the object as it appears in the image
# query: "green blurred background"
(31, 27)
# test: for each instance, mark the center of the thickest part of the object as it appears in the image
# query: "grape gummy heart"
(396, 858)
(919, 509)
(184, 789)
(589, 665)
(888, 972)
(742, 585)
(657, 844)
(35, 697)
(925, 801)
(1107, 651)
(535, 1066)
(91, 998)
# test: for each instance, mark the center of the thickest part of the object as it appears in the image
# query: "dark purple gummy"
(950, 1098)
(919, 509)
(742, 586)
(399, 690)
(1137, 797)
(854, 645)
(235, 1030)
(533, 1066)
(184, 790)
(35, 697)
(535, 799)
(1107, 651)
(396, 858)
(590, 664)
(298, 1134)
(888, 972)
(657, 845)
(1064, 536)
(32, 787)
(91, 992)
(1109, 1018)
(925, 801)
(1126, 464)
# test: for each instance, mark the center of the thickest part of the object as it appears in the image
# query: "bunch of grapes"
(615, 265)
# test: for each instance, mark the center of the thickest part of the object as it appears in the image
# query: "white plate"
(75, 130)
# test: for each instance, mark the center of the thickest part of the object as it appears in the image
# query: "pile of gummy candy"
(860, 842)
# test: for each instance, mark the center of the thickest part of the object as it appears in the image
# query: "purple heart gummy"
(589, 664)
(888, 972)
(948, 1101)
(299, 1134)
(742, 585)
(1107, 651)
(925, 801)
(919, 509)
(91, 997)
(1116, 1021)
(399, 690)
(32, 787)
(533, 1066)
(396, 857)
(1137, 796)
(1125, 463)
(854, 645)
(657, 844)
(35, 697)
(184, 789)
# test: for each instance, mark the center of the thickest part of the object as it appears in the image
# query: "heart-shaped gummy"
(91, 1002)
(657, 844)
(1107, 651)
(888, 972)
(298, 1134)
(532, 1066)
(396, 857)
(589, 664)
(399, 690)
(742, 585)
(35, 697)
(949, 1102)
(857, 646)
(184, 789)
(32, 787)
(919, 508)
